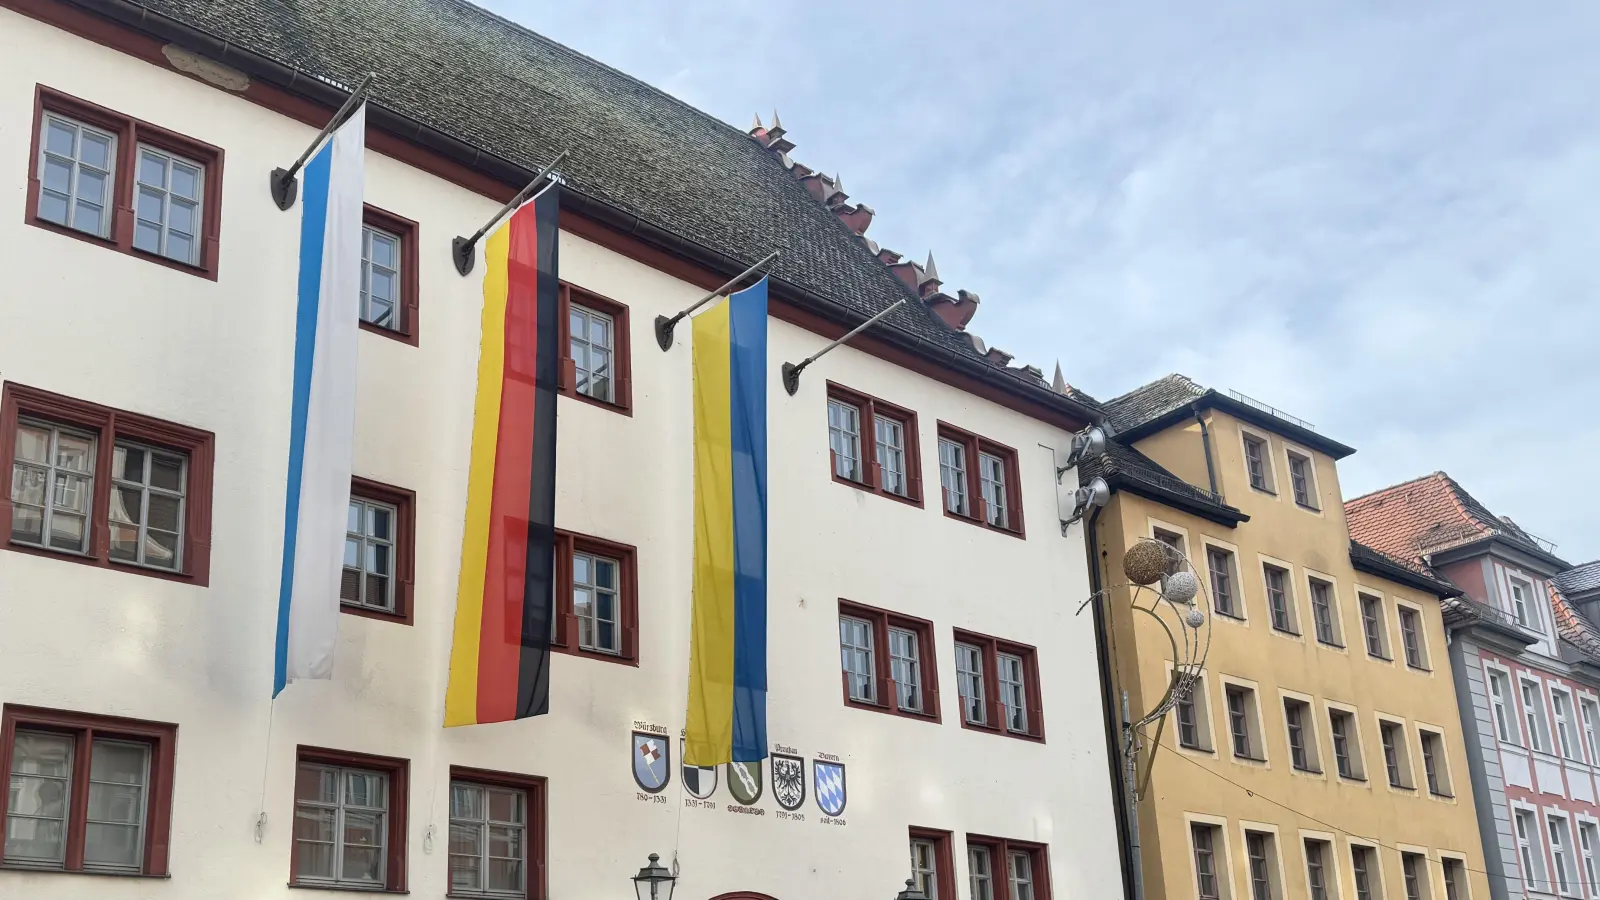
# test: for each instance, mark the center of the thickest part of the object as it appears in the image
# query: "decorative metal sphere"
(1146, 561)
(1194, 618)
(1180, 587)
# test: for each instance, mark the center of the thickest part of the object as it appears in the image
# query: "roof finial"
(756, 125)
(775, 121)
(929, 270)
(1058, 384)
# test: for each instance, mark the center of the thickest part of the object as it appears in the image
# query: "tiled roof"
(1427, 515)
(1151, 401)
(1124, 462)
(495, 85)
(1580, 579)
(1573, 626)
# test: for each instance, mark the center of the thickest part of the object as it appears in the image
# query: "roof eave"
(1222, 515)
(1373, 563)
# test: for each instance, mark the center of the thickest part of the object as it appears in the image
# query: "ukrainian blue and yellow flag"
(727, 719)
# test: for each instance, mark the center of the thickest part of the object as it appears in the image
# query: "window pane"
(112, 846)
(364, 790)
(185, 180)
(60, 138)
(166, 472)
(505, 806)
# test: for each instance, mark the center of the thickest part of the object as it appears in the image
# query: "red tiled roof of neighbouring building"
(1426, 515)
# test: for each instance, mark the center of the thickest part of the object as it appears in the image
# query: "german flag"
(500, 657)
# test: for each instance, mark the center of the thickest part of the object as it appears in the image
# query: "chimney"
(998, 357)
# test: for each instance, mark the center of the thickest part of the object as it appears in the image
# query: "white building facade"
(145, 350)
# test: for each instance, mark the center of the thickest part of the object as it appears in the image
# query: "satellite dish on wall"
(1086, 445)
(1093, 495)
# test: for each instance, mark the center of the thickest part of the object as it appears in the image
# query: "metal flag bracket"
(791, 371)
(463, 249)
(285, 186)
(664, 325)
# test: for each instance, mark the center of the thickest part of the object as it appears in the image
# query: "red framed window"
(980, 481)
(1001, 869)
(872, 445)
(379, 577)
(498, 828)
(932, 871)
(87, 793)
(105, 486)
(350, 821)
(596, 353)
(114, 180)
(999, 685)
(597, 598)
(888, 662)
(390, 281)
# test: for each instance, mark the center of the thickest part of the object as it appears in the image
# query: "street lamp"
(911, 892)
(654, 881)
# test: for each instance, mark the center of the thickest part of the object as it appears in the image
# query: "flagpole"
(461, 249)
(285, 187)
(791, 371)
(665, 325)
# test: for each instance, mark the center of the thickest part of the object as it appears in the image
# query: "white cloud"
(1382, 219)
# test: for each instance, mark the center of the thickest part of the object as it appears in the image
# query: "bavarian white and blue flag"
(322, 416)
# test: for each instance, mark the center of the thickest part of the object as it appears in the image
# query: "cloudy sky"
(1383, 218)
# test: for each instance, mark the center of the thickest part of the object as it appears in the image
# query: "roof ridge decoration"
(922, 279)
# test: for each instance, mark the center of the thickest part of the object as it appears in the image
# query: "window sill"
(85, 559)
(40, 870)
(1308, 507)
(932, 717)
(1284, 631)
(408, 338)
(1306, 771)
(620, 409)
(1410, 789)
(1002, 732)
(346, 889)
(1228, 615)
(1441, 796)
(1418, 668)
(864, 487)
(1332, 645)
(380, 615)
(1252, 759)
(1379, 656)
(598, 655)
(1353, 778)
(1261, 490)
(979, 523)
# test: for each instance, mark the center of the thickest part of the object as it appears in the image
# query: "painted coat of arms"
(652, 761)
(699, 781)
(830, 787)
(744, 781)
(789, 781)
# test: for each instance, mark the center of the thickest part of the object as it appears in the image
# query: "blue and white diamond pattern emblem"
(829, 778)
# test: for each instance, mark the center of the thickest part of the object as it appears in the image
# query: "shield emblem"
(744, 781)
(789, 781)
(699, 781)
(652, 761)
(830, 789)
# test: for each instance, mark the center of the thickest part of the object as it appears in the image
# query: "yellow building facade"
(1319, 754)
